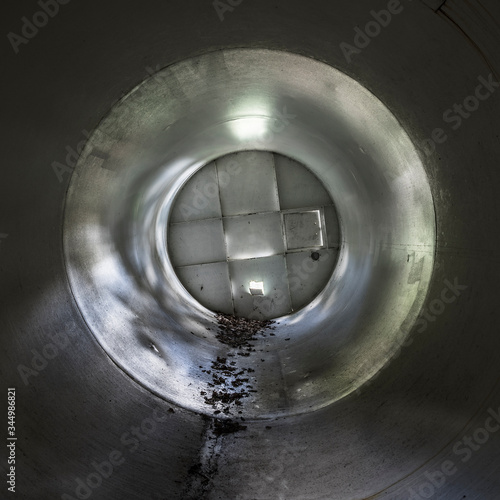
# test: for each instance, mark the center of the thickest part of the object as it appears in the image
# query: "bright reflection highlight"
(249, 128)
(256, 287)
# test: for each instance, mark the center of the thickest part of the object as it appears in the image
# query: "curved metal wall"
(426, 426)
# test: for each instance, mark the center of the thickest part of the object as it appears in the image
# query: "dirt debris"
(230, 383)
(240, 332)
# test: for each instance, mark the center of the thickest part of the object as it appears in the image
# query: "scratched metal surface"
(423, 426)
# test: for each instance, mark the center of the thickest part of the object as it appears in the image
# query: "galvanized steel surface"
(405, 397)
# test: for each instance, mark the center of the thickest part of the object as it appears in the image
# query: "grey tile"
(196, 242)
(307, 277)
(247, 183)
(208, 284)
(298, 187)
(252, 236)
(303, 229)
(332, 227)
(271, 271)
(199, 198)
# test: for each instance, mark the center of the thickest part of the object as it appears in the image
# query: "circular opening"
(253, 234)
(123, 258)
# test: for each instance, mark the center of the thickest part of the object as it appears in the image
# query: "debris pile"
(239, 332)
(231, 384)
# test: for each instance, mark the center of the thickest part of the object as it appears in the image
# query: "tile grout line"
(291, 211)
(224, 237)
(283, 235)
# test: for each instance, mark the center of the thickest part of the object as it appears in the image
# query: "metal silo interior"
(248, 250)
